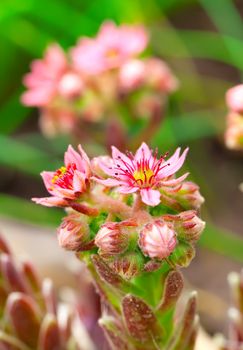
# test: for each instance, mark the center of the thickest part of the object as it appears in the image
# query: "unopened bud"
(73, 233)
(114, 237)
(157, 240)
(131, 75)
(234, 98)
(189, 196)
(70, 85)
(186, 224)
(234, 131)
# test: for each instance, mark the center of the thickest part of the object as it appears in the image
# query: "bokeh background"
(202, 42)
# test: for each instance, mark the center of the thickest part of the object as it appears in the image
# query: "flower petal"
(107, 182)
(127, 189)
(143, 152)
(51, 201)
(174, 163)
(150, 197)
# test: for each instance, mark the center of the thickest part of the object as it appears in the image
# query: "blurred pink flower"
(55, 121)
(112, 47)
(49, 76)
(157, 240)
(234, 98)
(68, 182)
(234, 131)
(131, 75)
(142, 172)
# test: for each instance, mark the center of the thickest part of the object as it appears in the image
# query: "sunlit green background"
(202, 42)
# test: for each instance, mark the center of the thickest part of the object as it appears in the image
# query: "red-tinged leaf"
(140, 320)
(13, 277)
(24, 317)
(106, 273)
(4, 248)
(172, 290)
(3, 298)
(49, 295)
(31, 276)
(186, 326)
(115, 334)
(49, 338)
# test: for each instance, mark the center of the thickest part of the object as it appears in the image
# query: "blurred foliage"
(196, 111)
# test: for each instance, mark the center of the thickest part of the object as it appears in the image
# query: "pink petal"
(174, 182)
(81, 161)
(127, 189)
(120, 158)
(143, 152)
(78, 181)
(51, 201)
(150, 197)
(47, 177)
(107, 182)
(174, 163)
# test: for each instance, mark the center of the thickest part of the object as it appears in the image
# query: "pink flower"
(50, 76)
(112, 47)
(234, 131)
(69, 182)
(142, 172)
(55, 121)
(43, 79)
(157, 240)
(234, 98)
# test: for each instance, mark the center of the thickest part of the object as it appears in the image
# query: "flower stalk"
(132, 241)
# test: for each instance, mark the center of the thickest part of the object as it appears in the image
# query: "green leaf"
(21, 156)
(222, 241)
(27, 211)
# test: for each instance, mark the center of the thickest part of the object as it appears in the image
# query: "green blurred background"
(202, 42)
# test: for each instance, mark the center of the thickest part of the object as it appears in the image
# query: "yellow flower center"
(59, 173)
(143, 176)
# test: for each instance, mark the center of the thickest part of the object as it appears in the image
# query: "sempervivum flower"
(114, 237)
(73, 232)
(143, 172)
(112, 47)
(234, 98)
(157, 240)
(49, 77)
(69, 182)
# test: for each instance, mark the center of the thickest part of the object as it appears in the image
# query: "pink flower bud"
(234, 131)
(234, 98)
(159, 76)
(157, 240)
(131, 75)
(73, 233)
(70, 85)
(186, 224)
(128, 266)
(113, 237)
(189, 196)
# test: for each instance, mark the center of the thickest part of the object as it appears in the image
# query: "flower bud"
(131, 75)
(73, 233)
(189, 196)
(97, 162)
(157, 240)
(70, 85)
(234, 98)
(186, 224)
(234, 131)
(114, 238)
(159, 76)
(128, 266)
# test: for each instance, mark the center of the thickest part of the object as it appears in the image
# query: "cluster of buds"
(95, 77)
(234, 131)
(30, 315)
(130, 209)
(133, 223)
